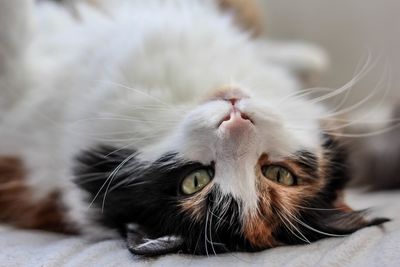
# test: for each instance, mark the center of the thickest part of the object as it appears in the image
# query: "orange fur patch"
(277, 204)
(17, 206)
(258, 228)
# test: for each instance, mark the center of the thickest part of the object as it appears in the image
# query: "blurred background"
(354, 33)
(349, 31)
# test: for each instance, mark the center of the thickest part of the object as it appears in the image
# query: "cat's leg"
(14, 37)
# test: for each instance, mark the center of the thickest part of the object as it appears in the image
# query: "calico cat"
(164, 122)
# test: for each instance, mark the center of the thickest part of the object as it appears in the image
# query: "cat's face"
(237, 174)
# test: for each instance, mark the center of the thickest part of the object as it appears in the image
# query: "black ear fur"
(139, 244)
(341, 219)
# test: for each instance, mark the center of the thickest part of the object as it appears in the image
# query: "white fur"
(137, 75)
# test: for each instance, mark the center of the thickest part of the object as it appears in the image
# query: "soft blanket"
(372, 246)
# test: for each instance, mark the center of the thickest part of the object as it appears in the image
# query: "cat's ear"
(346, 222)
(154, 247)
(339, 218)
(140, 245)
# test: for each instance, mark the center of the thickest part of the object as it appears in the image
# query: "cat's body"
(145, 88)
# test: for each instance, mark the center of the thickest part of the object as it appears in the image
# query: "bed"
(372, 246)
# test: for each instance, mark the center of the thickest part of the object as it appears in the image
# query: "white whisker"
(283, 219)
(136, 91)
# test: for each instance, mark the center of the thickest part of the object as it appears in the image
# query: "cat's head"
(236, 174)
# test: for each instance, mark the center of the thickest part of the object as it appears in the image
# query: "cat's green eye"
(279, 175)
(195, 181)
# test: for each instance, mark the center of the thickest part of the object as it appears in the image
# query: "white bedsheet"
(369, 247)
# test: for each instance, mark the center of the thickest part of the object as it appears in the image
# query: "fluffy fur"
(119, 105)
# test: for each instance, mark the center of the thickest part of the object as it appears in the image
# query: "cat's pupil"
(196, 181)
(278, 176)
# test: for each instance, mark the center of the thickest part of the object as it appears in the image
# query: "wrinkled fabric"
(372, 246)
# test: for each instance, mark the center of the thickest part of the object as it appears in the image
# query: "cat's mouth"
(235, 119)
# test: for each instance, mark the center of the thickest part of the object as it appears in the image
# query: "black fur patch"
(148, 195)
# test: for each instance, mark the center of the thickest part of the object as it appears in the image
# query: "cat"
(166, 123)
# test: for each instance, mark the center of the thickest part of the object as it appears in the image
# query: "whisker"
(365, 134)
(205, 235)
(135, 90)
(316, 230)
(112, 175)
(361, 102)
(210, 233)
(123, 119)
(309, 227)
(311, 208)
(344, 99)
(365, 70)
(104, 184)
(283, 219)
